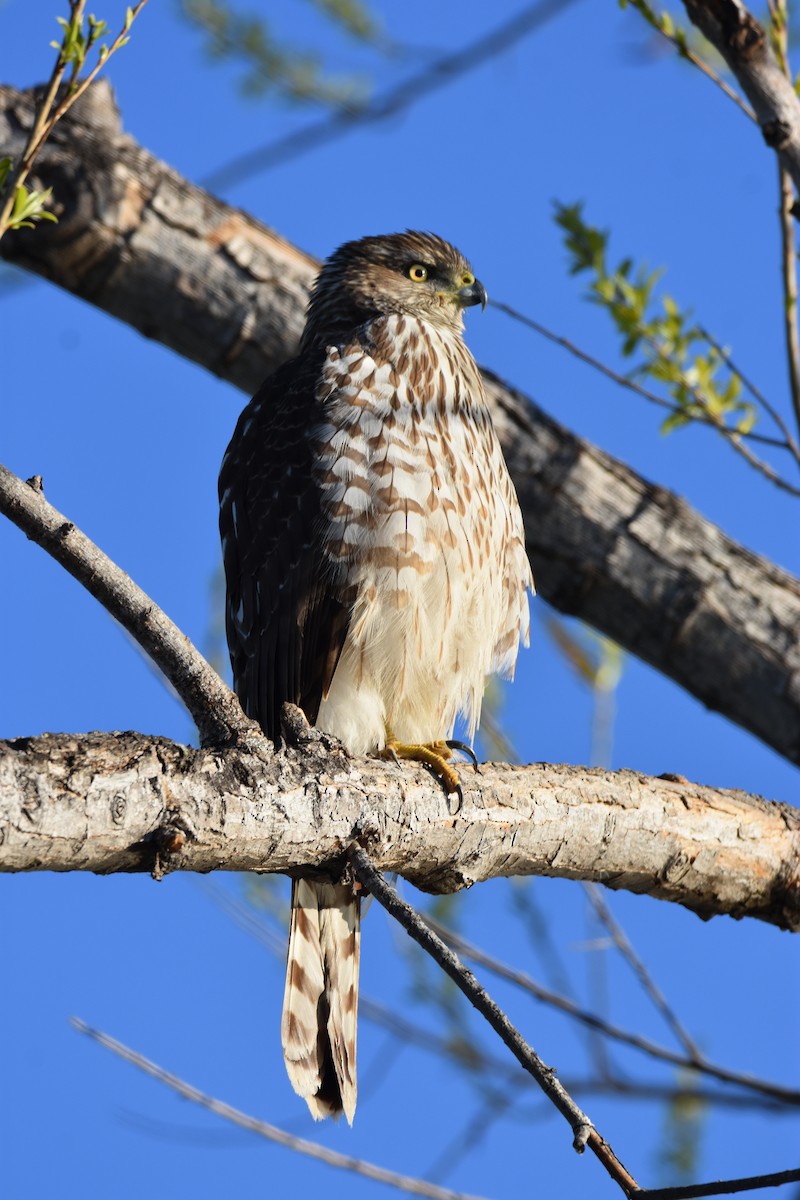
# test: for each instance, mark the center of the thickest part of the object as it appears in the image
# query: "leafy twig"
(623, 381)
(665, 26)
(20, 207)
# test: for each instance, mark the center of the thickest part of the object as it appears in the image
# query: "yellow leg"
(435, 755)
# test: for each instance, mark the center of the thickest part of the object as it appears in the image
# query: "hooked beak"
(475, 293)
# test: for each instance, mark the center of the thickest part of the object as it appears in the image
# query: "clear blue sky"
(128, 438)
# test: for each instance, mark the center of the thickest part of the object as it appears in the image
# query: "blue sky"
(128, 438)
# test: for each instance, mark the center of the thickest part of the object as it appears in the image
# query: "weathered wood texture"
(124, 802)
(634, 560)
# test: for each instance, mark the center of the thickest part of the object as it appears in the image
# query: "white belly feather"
(424, 521)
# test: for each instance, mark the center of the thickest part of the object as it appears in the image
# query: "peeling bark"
(634, 560)
(109, 802)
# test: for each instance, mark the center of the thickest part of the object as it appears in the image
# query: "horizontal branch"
(634, 560)
(125, 802)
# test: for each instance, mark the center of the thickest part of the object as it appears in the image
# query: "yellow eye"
(417, 272)
(467, 279)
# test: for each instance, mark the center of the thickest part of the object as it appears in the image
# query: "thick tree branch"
(126, 802)
(635, 561)
(743, 43)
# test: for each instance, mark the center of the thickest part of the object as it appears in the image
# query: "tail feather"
(320, 1001)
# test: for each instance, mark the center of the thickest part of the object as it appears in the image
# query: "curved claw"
(454, 744)
(389, 752)
(459, 795)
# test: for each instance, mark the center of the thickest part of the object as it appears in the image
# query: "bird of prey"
(376, 569)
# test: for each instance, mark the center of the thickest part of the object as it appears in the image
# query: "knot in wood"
(119, 807)
(777, 133)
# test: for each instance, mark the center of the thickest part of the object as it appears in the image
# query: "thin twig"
(733, 437)
(623, 380)
(720, 1187)
(472, 1058)
(789, 273)
(789, 442)
(392, 101)
(345, 1162)
(684, 51)
(780, 30)
(583, 1130)
(622, 942)
(521, 980)
(213, 706)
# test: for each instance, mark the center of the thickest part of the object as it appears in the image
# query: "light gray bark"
(634, 560)
(743, 43)
(125, 802)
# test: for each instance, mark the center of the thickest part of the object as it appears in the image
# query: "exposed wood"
(125, 802)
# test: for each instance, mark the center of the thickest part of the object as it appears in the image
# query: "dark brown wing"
(286, 615)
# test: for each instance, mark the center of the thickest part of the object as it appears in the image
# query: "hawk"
(376, 569)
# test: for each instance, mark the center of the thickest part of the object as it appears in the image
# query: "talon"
(454, 744)
(433, 755)
(459, 795)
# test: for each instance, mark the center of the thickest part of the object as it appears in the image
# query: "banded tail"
(320, 1002)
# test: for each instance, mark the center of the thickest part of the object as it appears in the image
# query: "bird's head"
(415, 273)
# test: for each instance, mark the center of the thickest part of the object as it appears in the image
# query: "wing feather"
(286, 617)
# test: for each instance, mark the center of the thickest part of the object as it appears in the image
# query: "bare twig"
(721, 1187)
(473, 1058)
(623, 944)
(213, 706)
(520, 979)
(584, 1132)
(443, 71)
(345, 1162)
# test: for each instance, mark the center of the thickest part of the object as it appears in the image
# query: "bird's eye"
(417, 272)
(467, 279)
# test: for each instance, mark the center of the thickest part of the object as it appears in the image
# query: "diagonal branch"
(764, 1087)
(345, 1162)
(584, 1132)
(213, 706)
